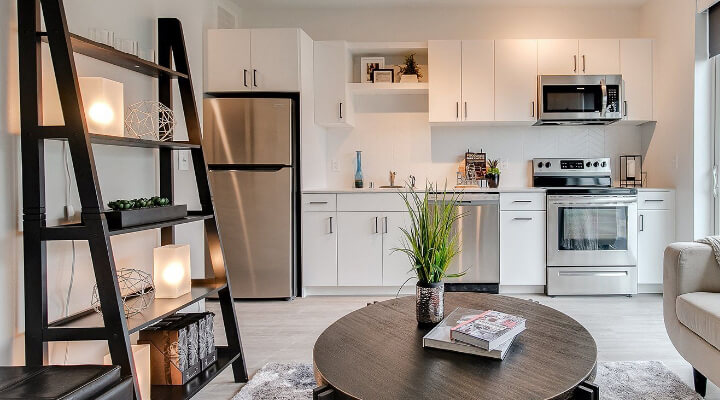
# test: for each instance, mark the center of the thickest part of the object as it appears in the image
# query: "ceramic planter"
(493, 180)
(409, 78)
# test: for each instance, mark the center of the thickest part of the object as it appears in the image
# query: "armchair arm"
(690, 267)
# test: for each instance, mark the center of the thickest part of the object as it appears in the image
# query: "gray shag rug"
(620, 380)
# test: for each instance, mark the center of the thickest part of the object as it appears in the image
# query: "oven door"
(579, 98)
(592, 230)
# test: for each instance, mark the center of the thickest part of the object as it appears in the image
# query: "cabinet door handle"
(457, 110)
(522, 219)
(625, 108)
(532, 110)
(245, 77)
(642, 223)
(341, 110)
(318, 202)
(254, 77)
(583, 57)
(466, 110)
(385, 224)
(575, 63)
(654, 200)
(522, 201)
(331, 225)
(376, 225)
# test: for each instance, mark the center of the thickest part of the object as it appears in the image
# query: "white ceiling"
(429, 3)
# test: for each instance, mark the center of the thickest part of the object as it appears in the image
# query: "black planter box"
(118, 219)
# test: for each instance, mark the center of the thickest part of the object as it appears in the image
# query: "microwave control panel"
(613, 98)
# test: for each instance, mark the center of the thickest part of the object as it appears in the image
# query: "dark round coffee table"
(376, 353)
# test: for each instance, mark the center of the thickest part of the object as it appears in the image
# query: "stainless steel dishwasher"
(479, 238)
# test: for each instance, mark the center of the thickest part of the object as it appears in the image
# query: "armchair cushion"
(700, 312)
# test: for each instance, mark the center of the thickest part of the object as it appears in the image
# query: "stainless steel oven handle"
(593, 203)
(603, 86)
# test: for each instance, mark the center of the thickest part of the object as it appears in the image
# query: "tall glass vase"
(358, 171)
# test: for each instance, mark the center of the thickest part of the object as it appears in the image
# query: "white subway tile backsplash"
(404, 142)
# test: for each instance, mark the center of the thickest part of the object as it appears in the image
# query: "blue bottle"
(358, 171)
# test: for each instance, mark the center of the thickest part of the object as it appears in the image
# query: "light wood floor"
(625, 329)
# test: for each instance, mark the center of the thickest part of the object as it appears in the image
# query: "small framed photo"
(368, 65)
(383, 75)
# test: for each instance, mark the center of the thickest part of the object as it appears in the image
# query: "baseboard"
(650, 288)
(357, 290)
(522, 289)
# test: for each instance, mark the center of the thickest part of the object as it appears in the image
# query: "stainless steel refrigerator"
(249, 150)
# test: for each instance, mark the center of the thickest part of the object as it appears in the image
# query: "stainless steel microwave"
(580, 99)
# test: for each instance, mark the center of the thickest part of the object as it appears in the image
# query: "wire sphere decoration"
(150, 120)
(136, 290)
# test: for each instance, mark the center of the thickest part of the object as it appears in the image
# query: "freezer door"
(247, 131)
(254, 210)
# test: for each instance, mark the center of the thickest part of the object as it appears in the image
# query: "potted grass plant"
(430, 243)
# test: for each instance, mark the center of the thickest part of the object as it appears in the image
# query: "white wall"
(670, 151)
(703, 150)
(123, 172)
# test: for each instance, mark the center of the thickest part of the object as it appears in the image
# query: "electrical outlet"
(503, 164)
(335, 166)
(183, 160)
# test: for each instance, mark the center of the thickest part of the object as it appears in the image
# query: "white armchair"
(691, 307)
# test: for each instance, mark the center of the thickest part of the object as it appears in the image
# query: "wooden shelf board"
(386, 48)
(388, 88)
(190, 218)
(225, 357)
(102, 52)
(135, 142)
(159, 309)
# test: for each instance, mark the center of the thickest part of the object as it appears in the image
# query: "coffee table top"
(376, 353)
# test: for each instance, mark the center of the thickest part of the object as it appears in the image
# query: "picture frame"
(368, 65)
(383, 75)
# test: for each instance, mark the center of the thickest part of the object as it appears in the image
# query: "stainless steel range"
(591, 228)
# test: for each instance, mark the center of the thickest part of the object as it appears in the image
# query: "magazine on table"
(488, 329)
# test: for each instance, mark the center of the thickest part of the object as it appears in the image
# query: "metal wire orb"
(150, 120)
(136, 290)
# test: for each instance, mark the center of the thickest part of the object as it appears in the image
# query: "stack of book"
(484, 333)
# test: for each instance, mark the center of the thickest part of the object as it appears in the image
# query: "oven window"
(571, 98)
(593, 228)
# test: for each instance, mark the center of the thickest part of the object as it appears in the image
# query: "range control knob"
(595, 164)
(547, 164)
(588, 164)
(603, 164)
(540, 164)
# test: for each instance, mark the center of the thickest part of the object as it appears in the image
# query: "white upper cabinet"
(275, 55)
(515, 79)
(478, 71)
(599, 56)
(228, 60)
(333, 68)
(558, 57)
(636, 66)
(445, 82)
(265, 60)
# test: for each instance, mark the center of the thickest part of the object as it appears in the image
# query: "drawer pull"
(522, 201)
(318, 202)
(654, 200)
(593, 273)
(522, 219)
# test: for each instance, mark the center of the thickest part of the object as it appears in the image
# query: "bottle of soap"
(358, 171)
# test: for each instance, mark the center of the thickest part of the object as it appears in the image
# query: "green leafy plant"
(430, 242)
(410, 67)
(142, 202)
(493, 167)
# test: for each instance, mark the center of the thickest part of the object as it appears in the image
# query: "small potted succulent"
(430, 242)
(493, 173)
(410, 72)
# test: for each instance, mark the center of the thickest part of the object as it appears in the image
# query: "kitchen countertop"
(388, 190)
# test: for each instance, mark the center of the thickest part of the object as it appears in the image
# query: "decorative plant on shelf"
(430, 242)
(493, 173)
(410, 72)
(155, 201)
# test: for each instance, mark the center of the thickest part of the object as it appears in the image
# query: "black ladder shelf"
(112, 326)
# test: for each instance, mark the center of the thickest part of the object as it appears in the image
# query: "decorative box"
(206, 338)
(169, 349)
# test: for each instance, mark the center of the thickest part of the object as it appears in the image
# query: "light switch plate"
(334, 166)
(183, 160)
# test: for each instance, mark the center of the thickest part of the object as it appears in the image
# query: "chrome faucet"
(392, 178)
(412, 181)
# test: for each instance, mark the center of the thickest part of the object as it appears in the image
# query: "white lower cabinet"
(656, 230)
(522, 248)
(360, 249)
(396, 266)
(319, 249)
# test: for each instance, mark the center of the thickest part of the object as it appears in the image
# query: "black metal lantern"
(631, 172)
